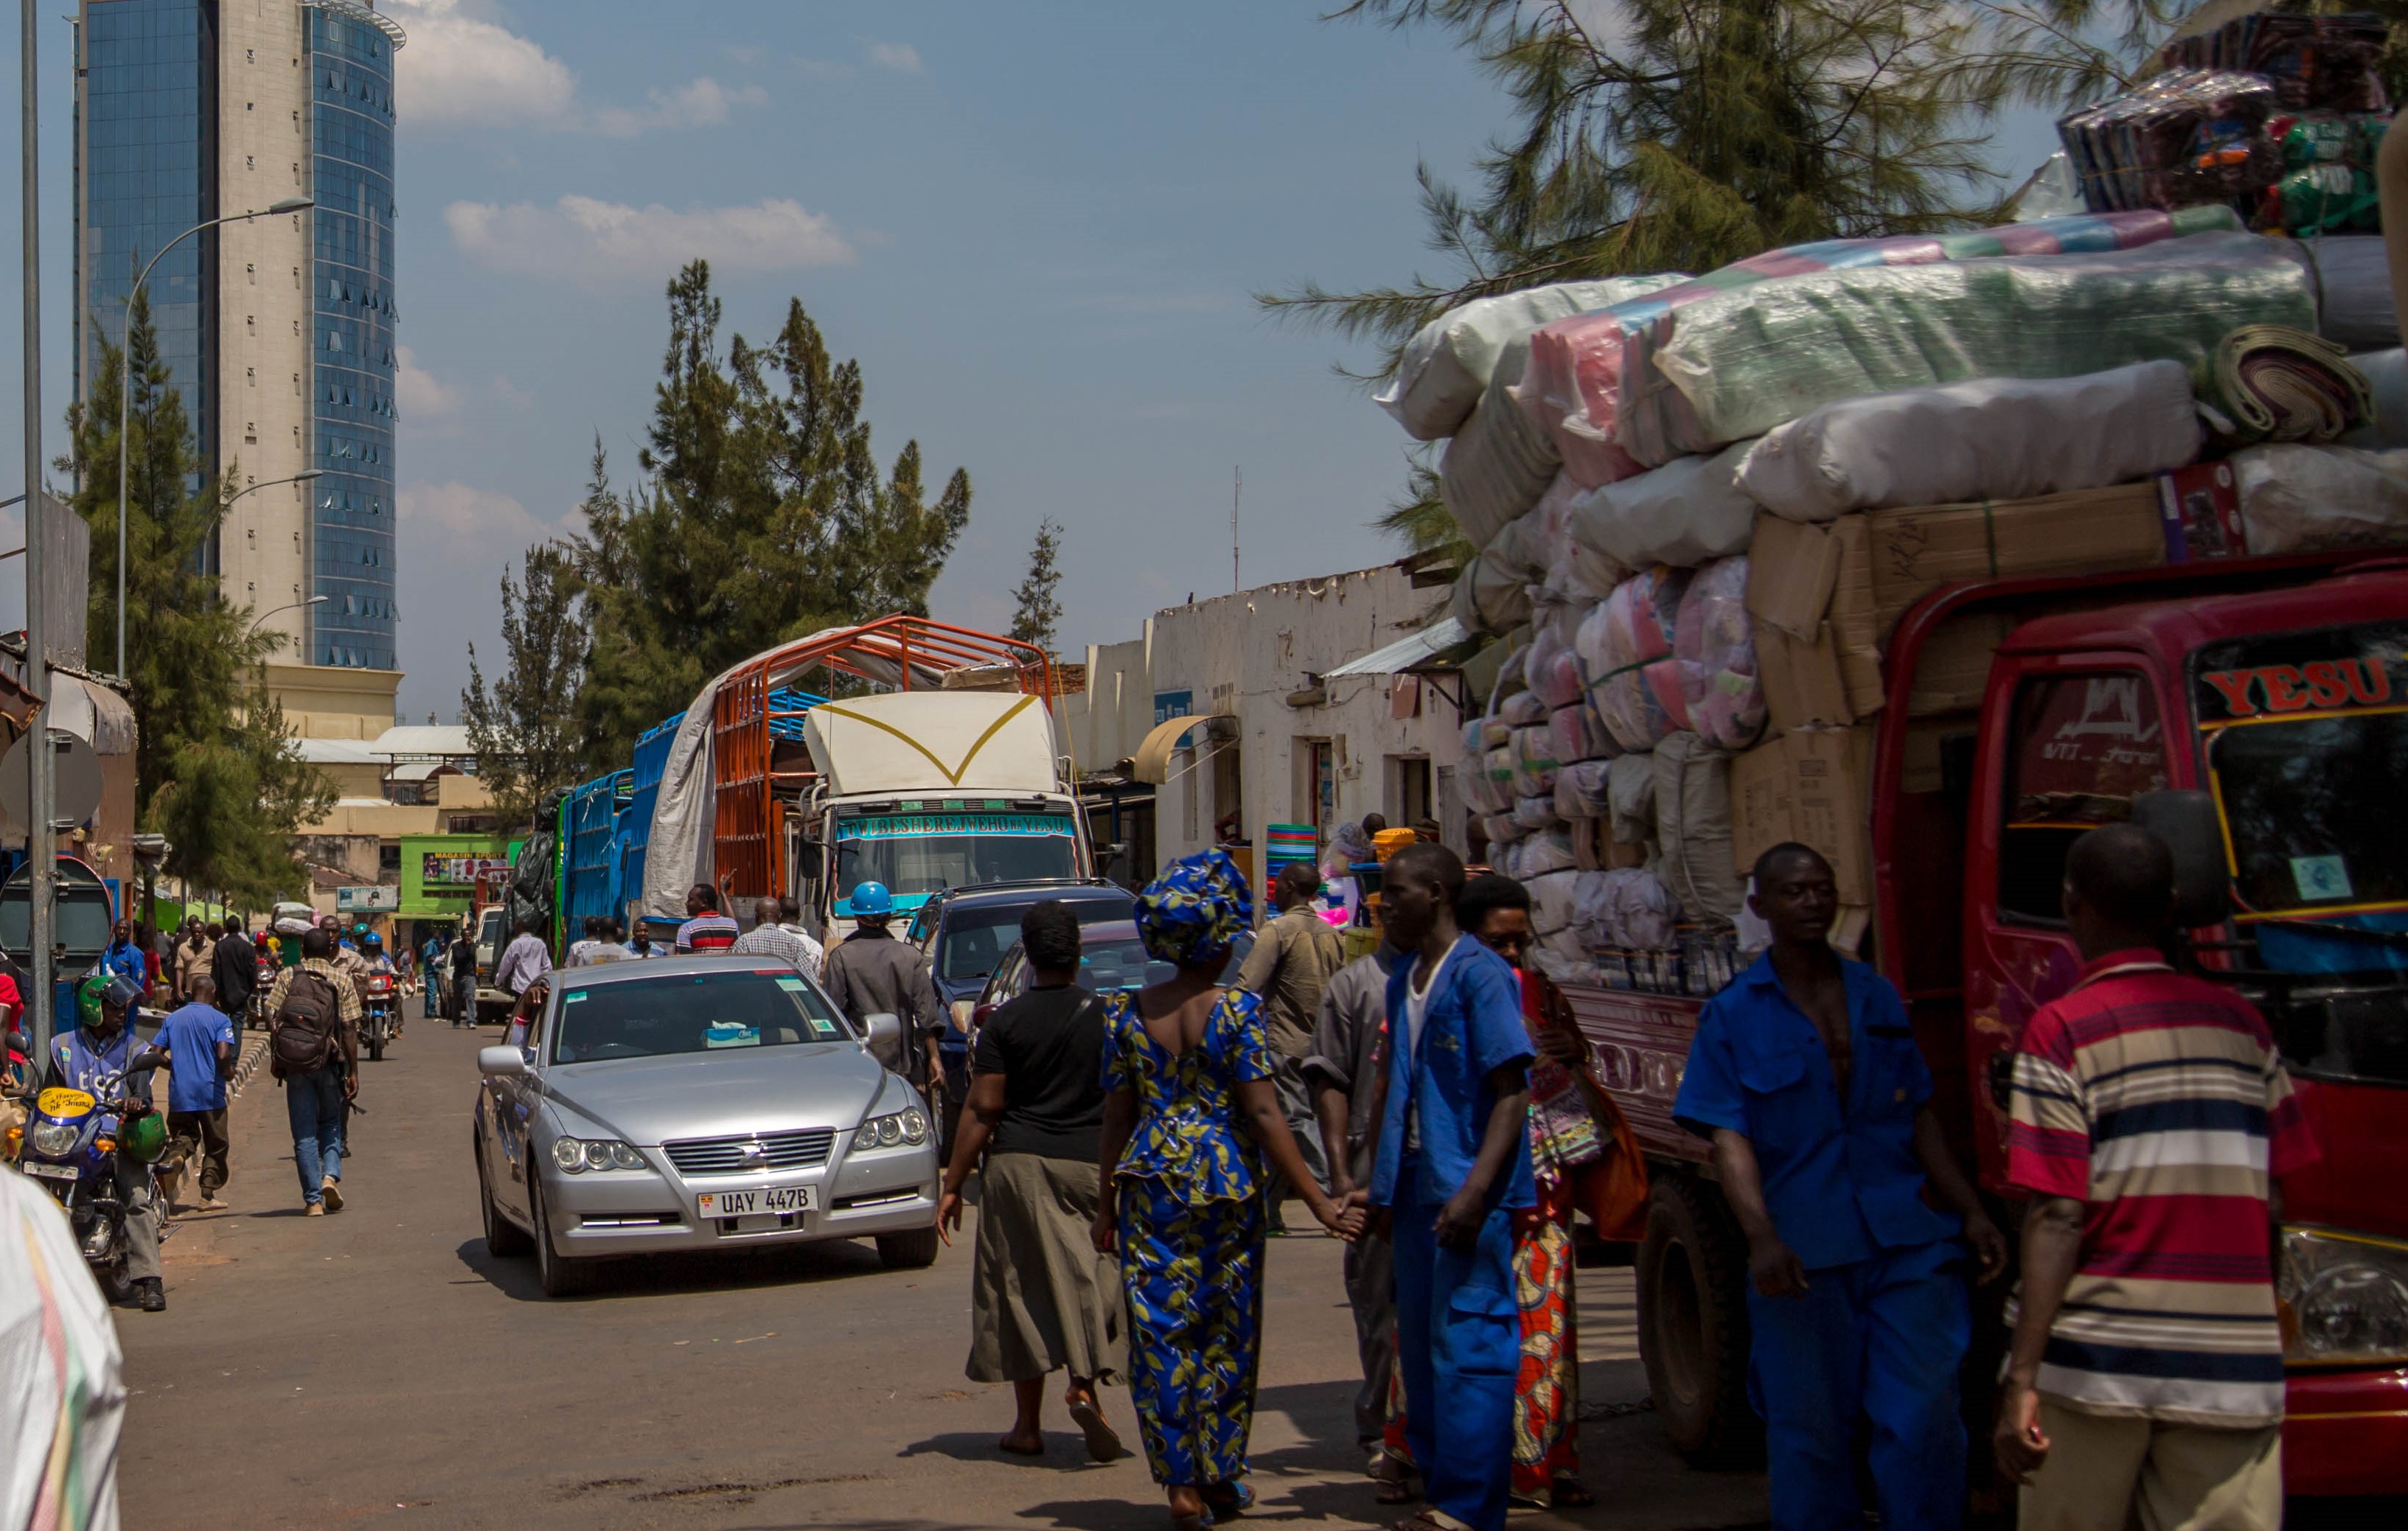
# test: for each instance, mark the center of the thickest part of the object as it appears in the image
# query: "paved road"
(377, 1366)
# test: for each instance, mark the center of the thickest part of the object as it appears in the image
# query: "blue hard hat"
(870, 898)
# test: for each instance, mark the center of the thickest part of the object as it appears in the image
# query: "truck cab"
(2278, 688)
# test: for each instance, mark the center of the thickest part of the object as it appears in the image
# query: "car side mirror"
(501, 1063)
(2188, 821)
(885, 1041)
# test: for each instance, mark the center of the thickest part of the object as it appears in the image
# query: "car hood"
(650, 1101)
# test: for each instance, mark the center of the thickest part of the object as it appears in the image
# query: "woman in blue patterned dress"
(1189, 1114)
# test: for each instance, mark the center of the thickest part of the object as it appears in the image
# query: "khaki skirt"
(1043, 1299)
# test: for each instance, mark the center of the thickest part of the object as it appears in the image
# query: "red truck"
(2278, 688)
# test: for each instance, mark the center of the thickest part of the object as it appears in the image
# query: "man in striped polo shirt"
(2150, 1115)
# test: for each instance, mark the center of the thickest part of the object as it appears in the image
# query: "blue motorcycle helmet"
(870, 898)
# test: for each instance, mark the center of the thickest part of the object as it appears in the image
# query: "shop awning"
(1152, 762)
(1439, 646)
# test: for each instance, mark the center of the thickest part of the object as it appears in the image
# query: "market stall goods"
(1449, 361)
(1689, 510)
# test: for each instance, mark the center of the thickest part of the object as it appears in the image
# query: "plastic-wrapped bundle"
(1714, 642)
(1626, 648)
(1632, 799)
(1634, 909)
(1565, 570)
(1538, 854)
(2187, 137)
(1522, 709)
(1693, 824)
(1585, 790)
(2319, 499)
(1579, 368)
(1563, 957)
(1683, 513)
(1449, 361)
(1496, 768)
(1499, 463)
(1534, 762)
(2353, 286)
(2387, 380)
(1738, 363)
(1537, 811)
(1578, 733)
(2268, 382)
(1991, 438)
(1489, 600)
(1552, 896)
(1502, 830)
(1554, 669)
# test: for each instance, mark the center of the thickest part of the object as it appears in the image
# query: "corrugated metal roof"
(1414, 651)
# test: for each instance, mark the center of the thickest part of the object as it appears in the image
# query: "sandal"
(1103, 1442)
(1570, 1494)
(1229, 1500)
(1423, 1521)
(1398, 1491)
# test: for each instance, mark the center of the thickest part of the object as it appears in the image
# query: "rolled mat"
(2270, 382)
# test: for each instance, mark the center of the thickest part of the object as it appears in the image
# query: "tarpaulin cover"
(1990, 438)
(1683, 513)
(1578, 367)
(1735, 365)
(2353, 287)
(62, 1392)
(1489, 599)
(1498, 465)
(1450, 359)
(1714, 645)
(2387, 379)
(1625, 647)
(2316, 499)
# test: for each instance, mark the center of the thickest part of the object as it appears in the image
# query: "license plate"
(54, 1172)
(776, 1198)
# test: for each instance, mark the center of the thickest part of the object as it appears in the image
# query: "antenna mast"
(1237, 496)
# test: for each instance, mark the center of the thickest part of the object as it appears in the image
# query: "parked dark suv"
(1113, 957)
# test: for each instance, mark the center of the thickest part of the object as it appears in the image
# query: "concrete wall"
(322, 702)
(264, 307)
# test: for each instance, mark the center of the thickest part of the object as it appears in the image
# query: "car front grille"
(732, 1156)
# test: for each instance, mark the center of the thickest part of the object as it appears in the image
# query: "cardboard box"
(2199, 506)
(1854, 621)
(1803, 686)
(1791, 568)
(1954, 668)
(2090, 531)
(1810, 787)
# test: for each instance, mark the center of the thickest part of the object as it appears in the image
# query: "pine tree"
(215, 771)
(1040, 609)
(524, 727)
(763, 517)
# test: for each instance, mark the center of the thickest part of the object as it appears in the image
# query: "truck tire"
(1693, 1331)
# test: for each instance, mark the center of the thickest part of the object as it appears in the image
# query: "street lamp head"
(292, 204)
(317, 600)
(306, 474)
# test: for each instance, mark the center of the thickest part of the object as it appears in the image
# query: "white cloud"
(596, 243)
(454, 514)
(457, 541)
(463, 69)
(900, 57)
(425, 399)
(701, 103)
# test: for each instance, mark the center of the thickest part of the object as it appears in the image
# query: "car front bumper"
(2346, 1432)
(594, 1215)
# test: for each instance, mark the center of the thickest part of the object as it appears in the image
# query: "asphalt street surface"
(377, 1366)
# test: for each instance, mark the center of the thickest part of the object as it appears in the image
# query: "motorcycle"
(70, 1144)
(268, 967)
(379, 1012)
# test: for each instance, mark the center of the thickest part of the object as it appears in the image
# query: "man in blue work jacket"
(1453, 1164)
(1806, 1076)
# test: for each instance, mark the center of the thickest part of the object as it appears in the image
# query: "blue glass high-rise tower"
(279, 331)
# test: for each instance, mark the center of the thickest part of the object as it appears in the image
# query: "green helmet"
(144, 1138)
(88, 997)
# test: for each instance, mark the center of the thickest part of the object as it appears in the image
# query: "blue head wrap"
(1195, 910)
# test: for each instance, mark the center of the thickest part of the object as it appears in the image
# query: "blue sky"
(1036, 225)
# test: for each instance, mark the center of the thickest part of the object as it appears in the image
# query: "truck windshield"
(917, 854)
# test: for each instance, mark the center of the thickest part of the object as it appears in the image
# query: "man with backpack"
(313, 1046)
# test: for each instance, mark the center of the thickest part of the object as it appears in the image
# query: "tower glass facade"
(147, 149)
(354, 359)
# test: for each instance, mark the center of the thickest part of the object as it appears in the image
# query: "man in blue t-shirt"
(200, 1043)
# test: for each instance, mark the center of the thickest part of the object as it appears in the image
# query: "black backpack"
(302, 1037)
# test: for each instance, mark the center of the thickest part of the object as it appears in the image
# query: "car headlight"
(2344, 1297)
(54, 1139)
(892, 1131)
(576, 1155)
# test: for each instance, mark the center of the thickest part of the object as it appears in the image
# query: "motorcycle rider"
(103, 1044)
(374, 960)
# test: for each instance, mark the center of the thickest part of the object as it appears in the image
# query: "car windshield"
(975, 939)
(1113, 956)
(737, 1008)
(916, 855)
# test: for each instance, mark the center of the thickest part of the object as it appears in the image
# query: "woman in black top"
(1043, 1299)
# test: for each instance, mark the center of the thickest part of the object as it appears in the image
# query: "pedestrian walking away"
(1291, 963)
(524, 960)
(1806, 1077)
(314, 1049)
(1344, 1069)
(463, 978)
(1450, 1168)
(872, 973)
(1043, 1298)
(771, 939)
(1190, 1117)
(2151, 1119)
(199, 1041)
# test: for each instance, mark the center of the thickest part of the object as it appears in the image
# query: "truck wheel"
(914, 1251)
(1693, 1333)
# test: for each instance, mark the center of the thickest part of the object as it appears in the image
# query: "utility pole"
(1237, 496)
(41, 858)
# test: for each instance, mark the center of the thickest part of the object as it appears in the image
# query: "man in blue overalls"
(1452, 1165)
(1806, 1076)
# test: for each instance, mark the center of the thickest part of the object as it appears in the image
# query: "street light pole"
(41, 858)
(125, 373)
(289, 606)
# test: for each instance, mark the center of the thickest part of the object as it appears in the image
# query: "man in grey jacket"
(871, 973)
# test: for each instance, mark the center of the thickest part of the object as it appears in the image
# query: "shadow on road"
(1065, 1449)
(662, 1274)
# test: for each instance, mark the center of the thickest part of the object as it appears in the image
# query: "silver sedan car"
(700, 1103)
